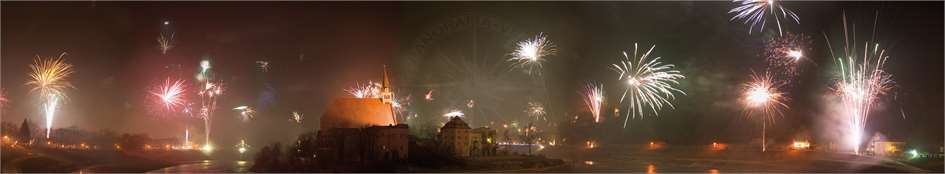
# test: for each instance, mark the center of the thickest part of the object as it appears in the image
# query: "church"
(362, 131)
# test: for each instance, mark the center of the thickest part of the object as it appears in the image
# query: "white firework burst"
(530, 53)
(649, 82)
(756, 12)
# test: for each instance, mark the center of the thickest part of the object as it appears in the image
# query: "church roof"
(455, 123)
(357, 113)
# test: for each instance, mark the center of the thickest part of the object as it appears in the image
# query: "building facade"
(458, 139)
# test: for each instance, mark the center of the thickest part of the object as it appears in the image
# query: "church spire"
(386, 95)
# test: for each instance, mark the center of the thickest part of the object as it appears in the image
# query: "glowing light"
(862, 82)
(801, 145)
(49, 79)
(755, 12)
(590, 163)
(207, 148)
(913, 153)
(530, 53)
(650, 82)
(204, 66)
(454, 113)
(650, 169)
(796, 54)
(594, 99)
(590, 144)
(242, 146)
(761, 94)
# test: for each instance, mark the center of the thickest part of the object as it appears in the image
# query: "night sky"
(459, 50)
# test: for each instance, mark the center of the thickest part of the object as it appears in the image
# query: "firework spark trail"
(246, 113)
(400, 104)
(50, 109)
(208, 104)
(3, 98)
(208, 97)
(49, 79)
(649, 82)
(171, 94)
(428, 96)
(755, 12)
(594, 98)
(367, 90)
(862, 82)
(166, 38)
(262, 65)
(530, 53)
(761, 94)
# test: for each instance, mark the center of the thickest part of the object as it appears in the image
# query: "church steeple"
(386, 95)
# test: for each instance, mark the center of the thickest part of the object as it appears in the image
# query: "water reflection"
(208, 166)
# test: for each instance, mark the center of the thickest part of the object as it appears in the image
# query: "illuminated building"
(458, 139)
(885, 148)
(361, 131)
(455, 137)
(484, 142)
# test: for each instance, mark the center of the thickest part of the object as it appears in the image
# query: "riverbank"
(47, 160)
(501, 164)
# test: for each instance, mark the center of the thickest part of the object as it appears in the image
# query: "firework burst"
(49, 79)
(862, 82)
(49, 76)
(536, 110)
(761, 94)
(171, 94)
(367, 90)
(649, 82)
(594, 99)
(166, 38)
(532, 52)
(785, 53)
(246, 113)
(756, 12)
(297, 117)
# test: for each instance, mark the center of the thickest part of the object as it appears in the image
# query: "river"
(208, 166)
